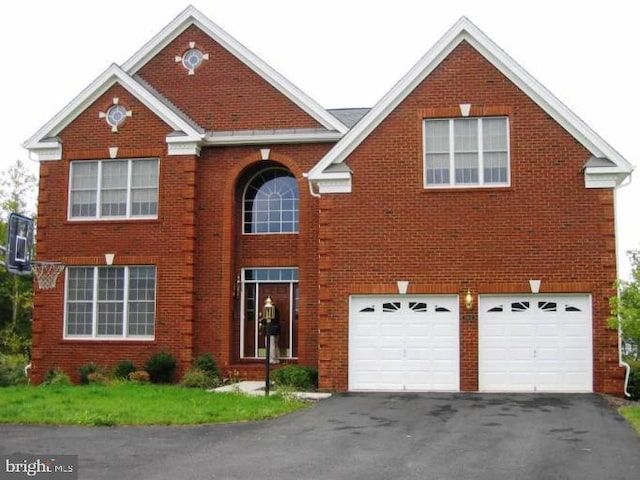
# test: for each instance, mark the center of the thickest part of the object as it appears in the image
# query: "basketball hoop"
(46, 273)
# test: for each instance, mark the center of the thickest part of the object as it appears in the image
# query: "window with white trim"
(108, 189)
(272, 203)
(110, 302)
(466, 152)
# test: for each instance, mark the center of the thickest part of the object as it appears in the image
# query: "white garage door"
(535, 343)
(404, 343)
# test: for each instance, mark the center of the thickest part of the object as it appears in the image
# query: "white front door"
(535, 343)
(404, 343)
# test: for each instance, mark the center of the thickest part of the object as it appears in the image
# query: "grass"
(135, 404)
(632, 414)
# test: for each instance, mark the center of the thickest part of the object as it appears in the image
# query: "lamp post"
(268, 313)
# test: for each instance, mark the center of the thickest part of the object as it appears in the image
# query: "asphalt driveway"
(365, 436)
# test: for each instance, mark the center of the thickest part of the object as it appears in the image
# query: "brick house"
(459, 235)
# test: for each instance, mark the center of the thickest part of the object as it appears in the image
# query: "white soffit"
(465, 30)
(192, 16)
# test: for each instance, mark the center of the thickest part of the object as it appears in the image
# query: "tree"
(625, 308)
(17, 191)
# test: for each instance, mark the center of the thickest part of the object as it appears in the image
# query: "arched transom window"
(271, 203)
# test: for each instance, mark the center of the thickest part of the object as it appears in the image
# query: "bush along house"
(457, 236)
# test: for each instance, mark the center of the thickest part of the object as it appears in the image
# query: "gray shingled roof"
(168, 103)
(349, 116)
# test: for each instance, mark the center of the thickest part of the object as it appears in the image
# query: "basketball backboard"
(19, 246)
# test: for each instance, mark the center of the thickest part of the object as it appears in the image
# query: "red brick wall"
(223, 94)
(546, 225)
(222, 251)
(133, 242)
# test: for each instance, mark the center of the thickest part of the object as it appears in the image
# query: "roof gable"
(465, 30)
(47, 147)
(192, 16)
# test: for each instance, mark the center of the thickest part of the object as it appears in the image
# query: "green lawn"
(135, 404)
(632, 414)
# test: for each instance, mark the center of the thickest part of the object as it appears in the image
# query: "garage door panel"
(544, 342)
(413, 344)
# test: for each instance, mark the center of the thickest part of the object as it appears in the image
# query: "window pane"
(466, 168)
(110, 318)
(142, 294)
(144, 202)
(437, 166)
(84, 175)
(114, 203)
(79, 319)
(144, 173)
(84, 185)
(270, 194)
(496, 158)
(494, 134)
(466, 157)
(115, 174)
(437, 152)
(83, 204)
(110, 284)
(437, 136)
(495, 167)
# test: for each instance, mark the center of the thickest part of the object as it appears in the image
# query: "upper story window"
(466, 152)
(110, 302)
(271, 203)
(108, 189)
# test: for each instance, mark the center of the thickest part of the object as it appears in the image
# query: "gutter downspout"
(313, 194)
(621, 362)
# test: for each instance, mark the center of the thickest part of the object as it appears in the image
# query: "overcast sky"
(342, 53)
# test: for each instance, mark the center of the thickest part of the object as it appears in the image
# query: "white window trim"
(98, 190)
(452, 183)
(94, 309)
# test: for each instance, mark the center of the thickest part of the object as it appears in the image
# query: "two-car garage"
(526, 343)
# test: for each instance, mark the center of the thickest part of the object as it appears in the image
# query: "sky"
(342, 53)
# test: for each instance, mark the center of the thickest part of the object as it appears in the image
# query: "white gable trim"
(192, 16)
(45, 146)
(465, 30)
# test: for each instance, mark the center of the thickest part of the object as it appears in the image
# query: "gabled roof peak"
(193, 16)
(465, 30)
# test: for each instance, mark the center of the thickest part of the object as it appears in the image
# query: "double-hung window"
(466, 152)
(108, 189)
(110, 302)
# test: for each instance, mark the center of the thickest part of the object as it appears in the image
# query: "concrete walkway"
(257, 389)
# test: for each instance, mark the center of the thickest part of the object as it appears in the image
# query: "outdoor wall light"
(468, 300)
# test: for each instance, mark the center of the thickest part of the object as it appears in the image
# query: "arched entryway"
(266, 259)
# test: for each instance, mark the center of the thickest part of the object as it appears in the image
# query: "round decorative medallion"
(192, 59)
(116, 115)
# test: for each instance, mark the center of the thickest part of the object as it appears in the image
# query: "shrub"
(161, 366)
(139, 376)
(198, 378)
(87, 370)
(97, 378)
(56, 377)
(296, 376)
(123, 368)
(634, 379)
(206, 363)
(12, 369)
